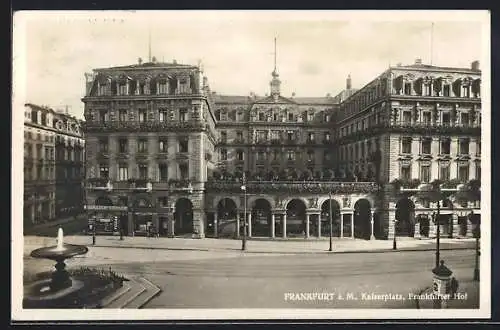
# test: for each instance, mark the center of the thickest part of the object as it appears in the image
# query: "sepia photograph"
(232, 165)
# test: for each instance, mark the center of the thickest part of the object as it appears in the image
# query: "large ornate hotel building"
(163, 150)
(53, 165)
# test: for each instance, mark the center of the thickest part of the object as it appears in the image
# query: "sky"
(315, 50)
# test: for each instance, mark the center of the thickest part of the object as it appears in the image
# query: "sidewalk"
(345, 245)
(467, 297)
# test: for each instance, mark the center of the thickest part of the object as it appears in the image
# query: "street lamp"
(331, 222)
(394, 246)
(477, 234)
(244, 188)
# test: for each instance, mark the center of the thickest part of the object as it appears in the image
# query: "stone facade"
(53, 165)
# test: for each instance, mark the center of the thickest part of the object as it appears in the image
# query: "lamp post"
(331, 222)
(477, 234)
(394, 246)
(438, 233)
(244, 188)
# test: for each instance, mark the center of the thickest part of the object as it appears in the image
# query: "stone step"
(136, 289)
(141, 300)
(120, 292)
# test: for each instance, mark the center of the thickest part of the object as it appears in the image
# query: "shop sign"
(106, 208)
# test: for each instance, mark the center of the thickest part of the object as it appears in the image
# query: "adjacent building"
(53, 165)
(166, 152)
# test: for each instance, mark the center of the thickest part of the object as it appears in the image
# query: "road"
(272, 281)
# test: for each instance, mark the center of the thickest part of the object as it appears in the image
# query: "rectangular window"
(425, 173)
(407, 88)
(223, 137)
(163, 115)
(261, 155)
(102, 90)
(223, 115)
(162, 143)
(262, 116)
(406, 118)
(162, 87)
(122, 115)
(427, 89)
(262, 136)
(310, 155)
(239, 155)
(464, 118)
(444, 172)
(446, 90)
(426, 146)
(465, 91)
(142, 145)
(478, 171)
(327, 136)
(122, 89)
(426, 117)
(184, 171)
(103, 171)
(239, 136)
(163, 169)
(463, 147)
(123, 145)
(183, 144)
(290, 117)
(163, 201)
(405, 173)
(445, 146)
(122, 172)
(182, 115)
(291, 155)
(310, 137)
(326, 155)
(103, 116)
(463, 173)
(223, 154)
(406, 145)
(276, 155)
(327, 118)
(142, 116)
(103, 145)
(310, 117)
(275, 117)
(446, 119)
(143, 171)
(290, 135)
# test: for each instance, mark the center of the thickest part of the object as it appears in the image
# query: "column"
(372, 222)
(307, 225)
(341, 225)
(319, 225)
(352, 225)
(131, 224)
(417, 230)
(171, 225)
(434, 164)
(453, 154)
(238, 224)
(273, 225)
(216, 226)
(249, 224)
(455, 226)
(284, 225)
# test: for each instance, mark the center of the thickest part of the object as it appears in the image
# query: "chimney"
(348, 82)
(154, 59)
(418, 61)
(399, 64)
(66, 110)
(475, 66)
(139, 60)
(293, 94)
(174, 61)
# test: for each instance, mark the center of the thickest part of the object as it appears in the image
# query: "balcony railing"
(323, 187)
(121, 126)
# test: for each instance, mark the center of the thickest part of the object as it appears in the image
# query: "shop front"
(104, 219)
(144, 218)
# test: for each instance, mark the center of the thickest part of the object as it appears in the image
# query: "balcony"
(162, 155)
(123, 155)
(103, 155)
(299, 187)
(99, 184)
(148, 126)
(143, 155)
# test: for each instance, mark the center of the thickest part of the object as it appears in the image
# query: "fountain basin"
(55, 253)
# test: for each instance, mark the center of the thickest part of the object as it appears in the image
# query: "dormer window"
(290, 117)
(327, 117)
(122, 88)
(162, 87)
(102, 89)
(142, 116)
(310, 116)
(223, 115)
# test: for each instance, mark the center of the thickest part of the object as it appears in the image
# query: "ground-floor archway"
(325, 218)
(183, 216)
(362, 219)
(405, 218)
(295, 219)
(261, 218)
(227, 213)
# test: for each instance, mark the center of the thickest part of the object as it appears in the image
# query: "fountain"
(51, 292)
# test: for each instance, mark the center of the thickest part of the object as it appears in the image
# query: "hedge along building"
(412, 125)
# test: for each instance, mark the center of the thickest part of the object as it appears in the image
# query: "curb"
(278, 252)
